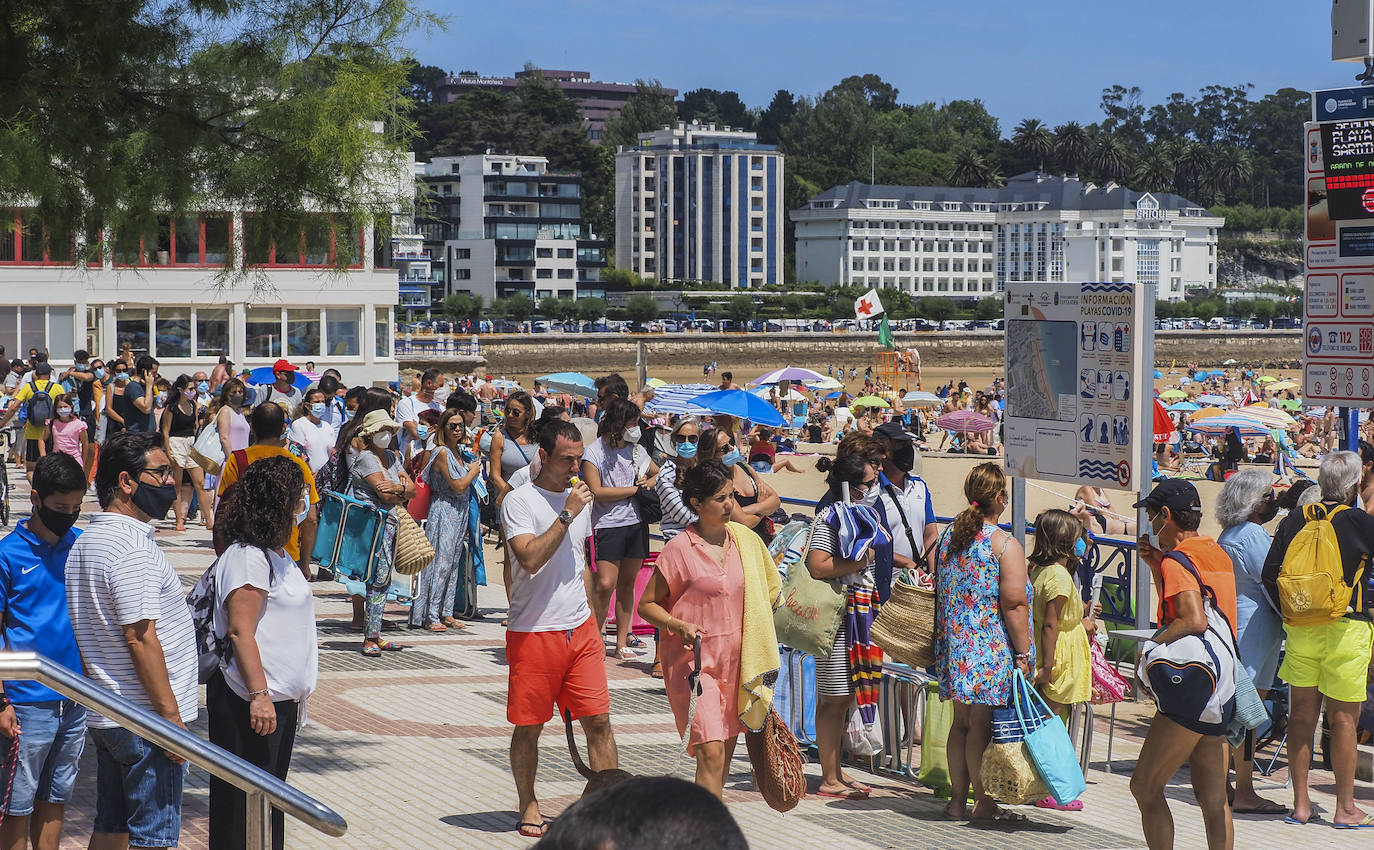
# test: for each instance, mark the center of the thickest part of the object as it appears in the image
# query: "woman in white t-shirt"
(265, 613)
(309, 430)
(614, 468)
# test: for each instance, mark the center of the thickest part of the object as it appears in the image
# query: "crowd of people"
(568, 488)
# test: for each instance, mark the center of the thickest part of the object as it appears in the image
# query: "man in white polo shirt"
(553, 649)
(136, 637)
(905, 496)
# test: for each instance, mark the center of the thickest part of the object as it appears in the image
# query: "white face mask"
(303, 513)
(381, 439)
(871, 497)
(632, 434)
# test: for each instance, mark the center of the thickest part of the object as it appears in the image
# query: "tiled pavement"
(412, 750)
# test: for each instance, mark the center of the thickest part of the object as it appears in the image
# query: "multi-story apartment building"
(598, 100)
(501, 224)
(697, 202)
(968, 243)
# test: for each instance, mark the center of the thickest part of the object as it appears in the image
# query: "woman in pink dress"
(698, 589)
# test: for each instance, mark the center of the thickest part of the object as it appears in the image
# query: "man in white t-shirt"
(128, 610)
(553, 651)
(408, 411)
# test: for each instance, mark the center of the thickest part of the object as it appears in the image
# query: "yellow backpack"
(1312, 588)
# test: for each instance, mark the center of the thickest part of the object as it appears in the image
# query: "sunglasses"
(454, 426)
(685, 438)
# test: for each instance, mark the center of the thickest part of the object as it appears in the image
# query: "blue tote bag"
(1047, 741)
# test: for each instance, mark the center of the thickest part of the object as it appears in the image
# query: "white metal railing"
(264, 790)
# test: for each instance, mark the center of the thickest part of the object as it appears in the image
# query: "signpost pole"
(1018, 510)
(1145, 398)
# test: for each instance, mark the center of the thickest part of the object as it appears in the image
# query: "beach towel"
(758, 658)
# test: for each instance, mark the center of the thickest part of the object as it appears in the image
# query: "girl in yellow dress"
(1064, 668)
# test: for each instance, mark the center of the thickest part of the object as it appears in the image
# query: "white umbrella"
(922, 398)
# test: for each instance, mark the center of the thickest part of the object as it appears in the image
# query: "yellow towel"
(758, 657)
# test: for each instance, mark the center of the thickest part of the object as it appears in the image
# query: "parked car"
(539, 327)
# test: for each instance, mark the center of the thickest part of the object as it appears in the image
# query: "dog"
(597, 780)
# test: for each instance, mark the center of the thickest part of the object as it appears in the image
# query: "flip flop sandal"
(436, 627)
(635, 642)
(850, 794)
(388, 646)
(1312, 818)
(530, 829)
(372, 651)
(1367, 823)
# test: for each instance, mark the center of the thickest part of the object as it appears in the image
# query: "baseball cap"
(43, 367)
(1179, 496)
(894, 432)
(284, 365)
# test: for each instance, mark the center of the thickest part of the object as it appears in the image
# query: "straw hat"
(376, 421)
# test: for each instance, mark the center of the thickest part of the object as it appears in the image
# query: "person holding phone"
(140, 397)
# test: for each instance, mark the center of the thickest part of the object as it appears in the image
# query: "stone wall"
(590, 352)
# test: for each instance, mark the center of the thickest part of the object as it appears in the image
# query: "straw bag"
(412, 551)
(207, 451)
(905, 627)
(777, 763)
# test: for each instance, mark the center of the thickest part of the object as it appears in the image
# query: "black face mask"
(1268, 511)
(154, 501)
(56, 521)
(904, 458)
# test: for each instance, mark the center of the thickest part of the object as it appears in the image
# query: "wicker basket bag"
(905, 627)
(412, 551)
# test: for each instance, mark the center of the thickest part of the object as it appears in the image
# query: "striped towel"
(859, 527)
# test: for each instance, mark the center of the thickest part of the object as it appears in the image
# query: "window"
(131, 329)
(567, 253)
(462, 253)
(544, 274)
(462, 274)
(565, 274)
(262, 332)
(61, 330)
(383, 332)
(310, 240)
(303, 333)
(172, 332)
(212, 332)
(544, 253)
(341, 326)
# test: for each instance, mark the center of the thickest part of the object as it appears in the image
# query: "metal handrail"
(264, 790)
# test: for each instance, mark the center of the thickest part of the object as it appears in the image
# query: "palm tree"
(1071, 146)
(1032, 139)
(971, 169)
(1154, 172)
(1110, 158)
(1232, 167)
(1194, 165)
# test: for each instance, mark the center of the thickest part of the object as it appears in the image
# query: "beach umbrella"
(1206, 412)
(1290, 403)
(1217, 373)
(869, 401)
(674, 398)
(505, 384)
(922, 398)
(1267, 379)
(1221, 424)
(740, 404)
(788, 373)
(1280, 386)
(792, 395)
(656, 382)
(1183, 407)
(1200, 375)
(1215, 400)
(1269, 417)
(1171, 394)
(1163, 425)
(964, 420)
(1158, 374)
(835, 394)
(573, 383)
(824, 384)
(263, 375)
(1230, 361)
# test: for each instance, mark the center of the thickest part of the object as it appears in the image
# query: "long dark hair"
(619, 415)
(374, 398)
(530, 432)
(260, 509)
(225, 389)
(704, 480)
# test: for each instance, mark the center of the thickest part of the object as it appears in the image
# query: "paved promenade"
(412, 749)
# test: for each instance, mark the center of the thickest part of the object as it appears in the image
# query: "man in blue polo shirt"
(33, 611)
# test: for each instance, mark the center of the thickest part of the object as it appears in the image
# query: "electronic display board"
(1348, 156)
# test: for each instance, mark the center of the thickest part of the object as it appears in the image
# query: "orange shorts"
(563, 667)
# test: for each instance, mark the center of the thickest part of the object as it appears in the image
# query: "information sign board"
(1079, 392)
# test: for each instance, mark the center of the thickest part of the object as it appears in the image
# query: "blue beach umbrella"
(742, 405)
(1158, 374)
(573, 383)
(263, 375)
(1183, 407)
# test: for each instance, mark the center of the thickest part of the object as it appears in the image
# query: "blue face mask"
(730, 458)
(203, 387)
(348, 414)
(1080, 548)
(122, 376)
(318, 409)
(421, 431)
(100, 373)
(686, 451)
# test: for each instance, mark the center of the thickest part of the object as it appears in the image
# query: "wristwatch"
(565, 517)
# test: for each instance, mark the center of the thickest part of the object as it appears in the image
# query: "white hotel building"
(967, 243)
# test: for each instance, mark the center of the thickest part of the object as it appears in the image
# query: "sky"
(1048, 60)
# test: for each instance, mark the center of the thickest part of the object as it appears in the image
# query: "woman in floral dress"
(983, 632)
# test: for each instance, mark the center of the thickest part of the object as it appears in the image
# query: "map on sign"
(1077, 387)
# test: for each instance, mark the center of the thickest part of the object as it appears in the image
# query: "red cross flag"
(868, 306)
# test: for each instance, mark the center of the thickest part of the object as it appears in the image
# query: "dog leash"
(694, 689)
(9, 786)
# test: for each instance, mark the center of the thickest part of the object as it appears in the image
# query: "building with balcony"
(499, 224)
(968, 243)
(697, 202)
(598, 100)
(195, 287)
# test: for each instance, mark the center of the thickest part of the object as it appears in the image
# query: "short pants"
(622, 543)
(567, 667)
(1332, 657)
(137, 789)
(52, 736)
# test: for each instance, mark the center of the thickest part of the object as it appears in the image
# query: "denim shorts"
(51, 738)
(137, 789)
